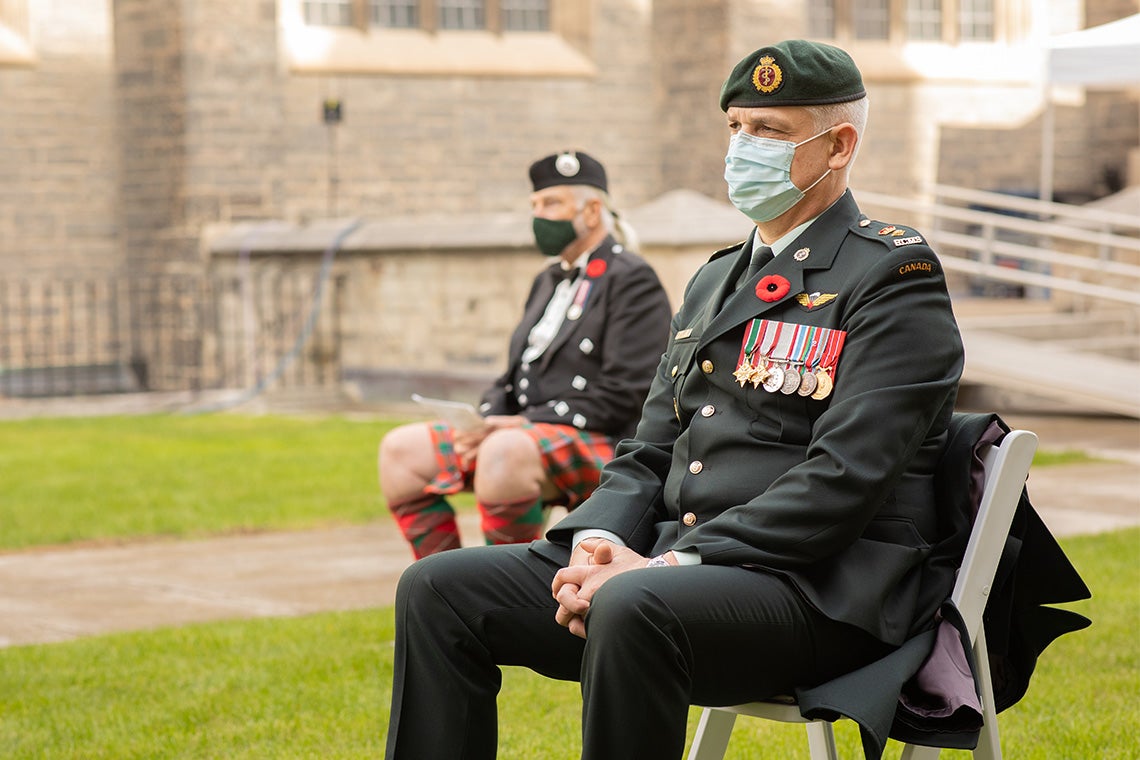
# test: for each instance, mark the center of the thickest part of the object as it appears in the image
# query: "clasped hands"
(467, 442)
(594, 561)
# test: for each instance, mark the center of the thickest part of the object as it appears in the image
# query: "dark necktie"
(561, 274)
(760, 258)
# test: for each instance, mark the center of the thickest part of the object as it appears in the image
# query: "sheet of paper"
(458, 414)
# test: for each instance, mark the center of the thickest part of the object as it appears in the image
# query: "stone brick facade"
(135, 130)
(141, 121)
(58, 145)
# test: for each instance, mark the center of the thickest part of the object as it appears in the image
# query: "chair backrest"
(1007, 467)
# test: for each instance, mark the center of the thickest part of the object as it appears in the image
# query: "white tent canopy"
(1105, 56)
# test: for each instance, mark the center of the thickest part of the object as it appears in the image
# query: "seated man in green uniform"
(767, 526)
(579, 366)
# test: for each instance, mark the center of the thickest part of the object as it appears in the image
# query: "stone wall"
(142, 122)
(58, 144)
(428, 303)
(690, 127)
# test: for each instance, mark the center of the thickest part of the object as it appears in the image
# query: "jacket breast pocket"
(680, 360)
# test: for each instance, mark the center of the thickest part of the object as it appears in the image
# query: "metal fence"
(80, 335)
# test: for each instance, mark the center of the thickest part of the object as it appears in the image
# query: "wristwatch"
(658, 561)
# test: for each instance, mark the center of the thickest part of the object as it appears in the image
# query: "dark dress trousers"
(596, 371)
(813, 518)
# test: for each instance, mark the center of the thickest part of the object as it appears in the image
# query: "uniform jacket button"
(708, 410)
(689, 519)
(695, 466)
(707, 367)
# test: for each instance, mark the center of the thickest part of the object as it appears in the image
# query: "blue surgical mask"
(758, 171)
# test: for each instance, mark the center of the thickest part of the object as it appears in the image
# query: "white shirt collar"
(578, 262)
(784, 240)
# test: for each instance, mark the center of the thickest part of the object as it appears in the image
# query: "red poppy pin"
(596, 268)
(772, 287)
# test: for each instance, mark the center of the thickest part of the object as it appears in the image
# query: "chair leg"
(989, 744)
(918, 752)
(713, 732)
(821, 741)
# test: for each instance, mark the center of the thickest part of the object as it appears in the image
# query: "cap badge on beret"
(767, 77)
(567, 165)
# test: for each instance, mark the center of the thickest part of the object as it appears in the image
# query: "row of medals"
(786, 379)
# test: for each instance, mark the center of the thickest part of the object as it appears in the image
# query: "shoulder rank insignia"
(812, 300)
(890, 235)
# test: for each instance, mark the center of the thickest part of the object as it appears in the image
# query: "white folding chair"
(1006, 468)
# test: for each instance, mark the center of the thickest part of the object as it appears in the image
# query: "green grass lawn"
(113, 478)
(318, 687)
(67, 480)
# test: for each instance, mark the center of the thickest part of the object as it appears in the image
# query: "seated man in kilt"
(580, 364)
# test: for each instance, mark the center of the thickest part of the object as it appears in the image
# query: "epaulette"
(890, 235)
(729, 249)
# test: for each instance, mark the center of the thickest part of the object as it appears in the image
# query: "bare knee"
(406, 462)
(509, 467)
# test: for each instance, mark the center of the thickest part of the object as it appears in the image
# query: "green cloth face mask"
(553, 235)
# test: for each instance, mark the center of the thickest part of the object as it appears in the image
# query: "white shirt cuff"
(581, 535)
(687, 556)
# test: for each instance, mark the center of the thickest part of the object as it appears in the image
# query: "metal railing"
(1068, 279)
(1044, 248)
(79, 335)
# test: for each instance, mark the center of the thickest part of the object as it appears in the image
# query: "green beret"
(793, 73)
(568, 168)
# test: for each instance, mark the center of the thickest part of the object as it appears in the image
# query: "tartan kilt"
(573, 460)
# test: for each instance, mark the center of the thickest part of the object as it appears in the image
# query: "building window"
(946, 21)
(431, 15)
(924, 19)
(395, 14)
(328, 12)
(872, 19)
(976, 20)
(821, 19)
(526, 38)
(526, 15)
(462, 14)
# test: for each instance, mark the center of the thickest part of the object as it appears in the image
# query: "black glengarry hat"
(793, 73)
(568, 168)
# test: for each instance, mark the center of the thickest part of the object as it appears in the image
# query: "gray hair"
(613, 222)
(853, 112)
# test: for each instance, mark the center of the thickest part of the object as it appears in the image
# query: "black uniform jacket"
(1019, 622)
(596, 372)
(835, 494)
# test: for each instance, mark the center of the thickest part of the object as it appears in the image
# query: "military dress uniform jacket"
(835, 494)
(596, 371)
